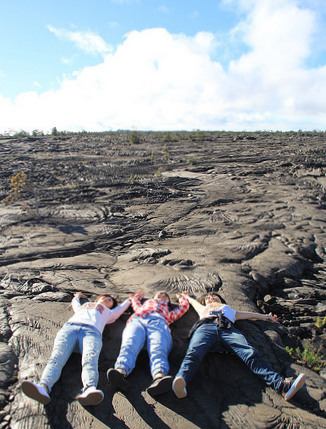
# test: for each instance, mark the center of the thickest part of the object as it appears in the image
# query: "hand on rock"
(139, 294)
(79, 295)
(182, 294)
(273, 318)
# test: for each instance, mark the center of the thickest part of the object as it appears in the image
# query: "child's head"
(211, 297)
(162, 296)
(107, 300)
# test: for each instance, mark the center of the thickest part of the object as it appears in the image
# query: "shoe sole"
(32, 392)
(160, 386)
(299, 382)
(118, 380)
(179, 388)
(93, 398)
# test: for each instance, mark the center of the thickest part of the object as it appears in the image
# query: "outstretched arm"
(180, 310)
(75, 303)
(117, 311)
(245, 315)
(198, 307)
(136, 300)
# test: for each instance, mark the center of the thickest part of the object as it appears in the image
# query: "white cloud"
(158, 80)
(86, 41)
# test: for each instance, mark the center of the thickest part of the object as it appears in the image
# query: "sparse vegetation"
(320, 323)
(133, 179)
(194, 160)
(310, 357)
(158, 172)
(19, 187)
(134, 138)
(166, 154)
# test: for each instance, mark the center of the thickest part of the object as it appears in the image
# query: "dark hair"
(115, 302)
(164, 293)
(202, 298)
(170, 305)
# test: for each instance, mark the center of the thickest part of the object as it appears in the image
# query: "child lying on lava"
(215, 332)
(148, 324)
(81, 333)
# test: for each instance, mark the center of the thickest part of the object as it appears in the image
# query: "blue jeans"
(74, 337)
(209, 338)
(155, 332)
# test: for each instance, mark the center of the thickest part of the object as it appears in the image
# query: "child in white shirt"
(81, 333)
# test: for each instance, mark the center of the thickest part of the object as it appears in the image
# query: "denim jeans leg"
(90, 344)
(236, 342)
(159, 344)
(202, 341)
(64, 344)
(133, 340)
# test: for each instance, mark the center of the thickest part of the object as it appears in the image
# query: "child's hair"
(115, 302)
(170, 305)
(202, 298)
(164, 293)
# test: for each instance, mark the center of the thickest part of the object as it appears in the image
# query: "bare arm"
(244, 315)
(198, 307)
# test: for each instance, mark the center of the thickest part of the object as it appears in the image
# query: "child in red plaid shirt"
(149, 323)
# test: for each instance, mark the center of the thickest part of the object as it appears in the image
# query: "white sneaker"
(91, 396)
(295, 386)
(36, 392)
(179, 387)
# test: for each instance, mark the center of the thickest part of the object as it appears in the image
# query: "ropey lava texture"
(241, 213)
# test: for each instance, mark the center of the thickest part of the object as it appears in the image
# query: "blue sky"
(100, 65)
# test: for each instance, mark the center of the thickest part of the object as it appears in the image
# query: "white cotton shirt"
(223, 308)
(96, 314)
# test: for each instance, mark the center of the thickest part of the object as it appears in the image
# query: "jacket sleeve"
(135, 303)
(117, 311)
(179, 311)
(75, 303)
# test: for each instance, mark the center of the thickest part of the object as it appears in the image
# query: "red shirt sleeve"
(179, 311)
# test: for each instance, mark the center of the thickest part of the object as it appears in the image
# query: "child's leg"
(202, 341)
(133, 340)
(64, 345)
(90, 344)
(236, 342)
(159, 343)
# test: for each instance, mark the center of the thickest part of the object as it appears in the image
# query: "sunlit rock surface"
(242, 213)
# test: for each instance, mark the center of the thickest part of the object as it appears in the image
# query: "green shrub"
(319, 323)
(134, 178)
(134, 138)
(166, 154)
(310, 357)
(158, 172)
(193, 160)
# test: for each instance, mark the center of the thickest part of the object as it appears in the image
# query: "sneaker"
(91, 396)
(179, 387)
(117, 379)
(160, 385)
(36, 392)
(291, 387)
